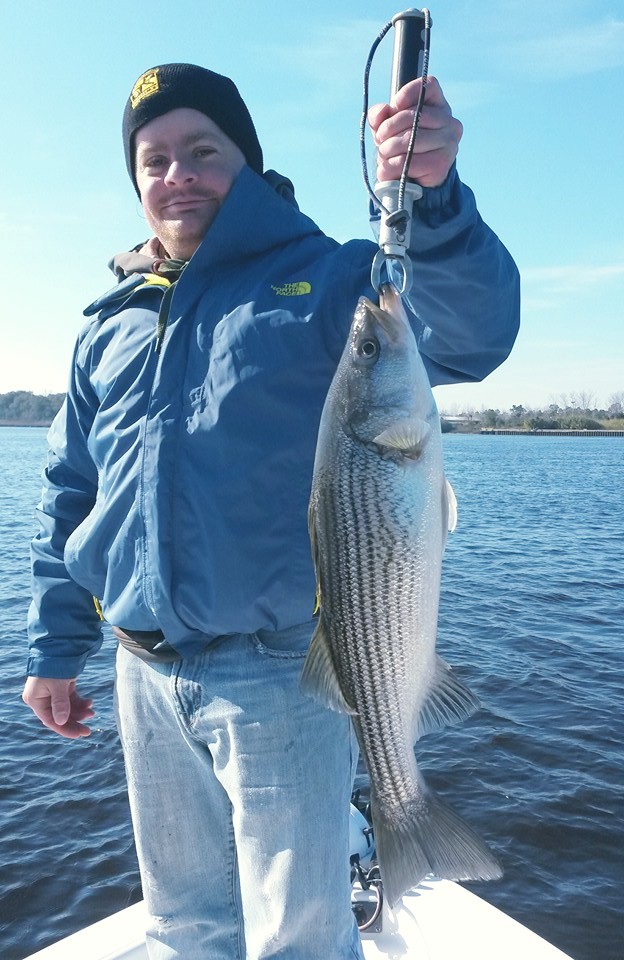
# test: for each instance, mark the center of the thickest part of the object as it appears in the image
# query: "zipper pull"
(163, 316)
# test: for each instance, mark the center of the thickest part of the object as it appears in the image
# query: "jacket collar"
(259, 212)
(258, 215)
(254, 218)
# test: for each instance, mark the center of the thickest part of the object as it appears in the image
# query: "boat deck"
(438, 920)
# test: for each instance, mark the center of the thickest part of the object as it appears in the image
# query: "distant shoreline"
(22, 408)
(24, 423)
(477, 432)
(510, 431)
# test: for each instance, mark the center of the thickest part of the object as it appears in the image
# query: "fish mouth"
(389, 298)
(388, 316)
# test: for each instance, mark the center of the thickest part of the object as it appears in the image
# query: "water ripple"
(531, 617)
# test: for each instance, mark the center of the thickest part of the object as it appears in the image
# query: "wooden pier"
(511, 432)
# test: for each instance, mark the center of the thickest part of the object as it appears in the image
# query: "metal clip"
(391, 269)
(394, 235)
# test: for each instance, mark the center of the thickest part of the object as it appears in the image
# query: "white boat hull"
(438, 920)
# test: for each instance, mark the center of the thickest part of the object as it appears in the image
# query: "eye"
(368, 349)
(151, 163)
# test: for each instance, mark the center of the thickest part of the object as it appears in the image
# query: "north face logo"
(293, 289)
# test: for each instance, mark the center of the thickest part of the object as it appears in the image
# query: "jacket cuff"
(440, 198)
(55, 668)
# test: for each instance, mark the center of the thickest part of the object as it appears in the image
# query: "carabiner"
(394, 270)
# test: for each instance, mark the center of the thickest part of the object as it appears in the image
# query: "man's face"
(185, 166)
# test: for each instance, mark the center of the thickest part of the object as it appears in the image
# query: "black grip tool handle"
(409, 48)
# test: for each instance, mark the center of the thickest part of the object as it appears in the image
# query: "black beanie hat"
(174, 85)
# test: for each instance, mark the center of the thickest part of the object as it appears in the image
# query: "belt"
(149, 645)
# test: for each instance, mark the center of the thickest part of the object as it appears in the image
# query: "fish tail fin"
(432, 840)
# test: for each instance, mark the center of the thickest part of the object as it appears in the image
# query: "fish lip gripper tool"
(392, 221)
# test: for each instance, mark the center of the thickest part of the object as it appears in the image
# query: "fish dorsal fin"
(408, 436)
(450, 501)
(449, 701)
(319, 678)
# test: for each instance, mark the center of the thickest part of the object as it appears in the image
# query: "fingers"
(407, 99)
(60, 718)
(377, 114)
(436, 144)
(408, 95)
(433, 156)
(59, 706)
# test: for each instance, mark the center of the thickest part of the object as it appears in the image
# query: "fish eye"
(368, 349)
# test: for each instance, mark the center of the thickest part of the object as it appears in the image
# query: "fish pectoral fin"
(449, 701)
(408, 436)
(450, 504)
(315, 556)
(319, 678)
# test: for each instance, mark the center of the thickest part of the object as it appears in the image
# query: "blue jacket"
(177, 482)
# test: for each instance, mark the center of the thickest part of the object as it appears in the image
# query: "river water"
(532, 616)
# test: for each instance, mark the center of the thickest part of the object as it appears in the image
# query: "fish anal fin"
(408, 436)
(319, 678)
(449, 701)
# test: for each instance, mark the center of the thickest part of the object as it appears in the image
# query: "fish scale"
(390, 614)
(379, 514)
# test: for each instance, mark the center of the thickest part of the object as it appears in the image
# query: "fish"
(379, 513)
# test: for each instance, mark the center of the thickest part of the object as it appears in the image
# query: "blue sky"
(538, 87)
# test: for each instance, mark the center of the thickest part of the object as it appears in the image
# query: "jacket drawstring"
(164, 267)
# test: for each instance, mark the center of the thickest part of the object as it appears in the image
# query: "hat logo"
(146, 85)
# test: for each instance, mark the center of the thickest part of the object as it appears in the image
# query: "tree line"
(576, 412)
(21, 407)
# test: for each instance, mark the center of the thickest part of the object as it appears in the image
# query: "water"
(532, 616)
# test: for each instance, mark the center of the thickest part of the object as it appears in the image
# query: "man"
(176, 493)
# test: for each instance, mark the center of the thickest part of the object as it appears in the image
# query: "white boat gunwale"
(438, 920)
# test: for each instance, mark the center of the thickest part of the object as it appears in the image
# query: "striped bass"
(380, 510)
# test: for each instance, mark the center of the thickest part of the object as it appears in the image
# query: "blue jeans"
(239, 789)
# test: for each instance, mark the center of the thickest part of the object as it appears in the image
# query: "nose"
(180, 171)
